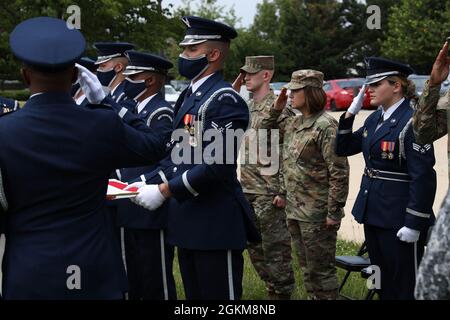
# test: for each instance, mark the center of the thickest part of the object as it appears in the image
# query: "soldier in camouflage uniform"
(316, 180)
(272, 257)
(431, 122)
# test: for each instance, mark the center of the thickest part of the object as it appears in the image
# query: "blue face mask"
(106, 77)
(134, 89)
(191, 68)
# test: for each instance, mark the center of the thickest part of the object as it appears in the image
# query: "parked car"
(245, 94)
(171, 94)
(419, 81)
(277, 86)
(445, 86)
(340, 93)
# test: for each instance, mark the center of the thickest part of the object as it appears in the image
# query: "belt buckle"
(375, 173)
(372, 173)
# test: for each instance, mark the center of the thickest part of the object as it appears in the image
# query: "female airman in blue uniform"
(398, 186)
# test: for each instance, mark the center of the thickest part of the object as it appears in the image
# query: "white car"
(171, 94)
(277, 86)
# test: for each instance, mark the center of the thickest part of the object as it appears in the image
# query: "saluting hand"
(281, 101)
(357, 102)
(440, 70)
(237, 84)
(90, 84)
(279, 202)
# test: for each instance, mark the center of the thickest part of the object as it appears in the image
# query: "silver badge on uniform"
(365, 133)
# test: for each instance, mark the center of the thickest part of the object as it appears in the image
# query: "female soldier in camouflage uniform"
(316, 181)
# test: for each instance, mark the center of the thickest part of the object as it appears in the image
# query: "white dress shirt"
(141, 105)
(198, 83)
(389, 112)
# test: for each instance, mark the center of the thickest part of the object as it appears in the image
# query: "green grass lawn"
(254, 288)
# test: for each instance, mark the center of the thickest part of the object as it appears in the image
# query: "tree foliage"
(328, 35)
(417, 30)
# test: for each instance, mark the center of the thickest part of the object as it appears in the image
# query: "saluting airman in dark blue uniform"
(210, 220)
(112, 62)
(398, 187)
(55, 163)
(149, 276)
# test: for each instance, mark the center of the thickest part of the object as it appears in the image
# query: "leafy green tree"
(145, 23)
(417, 30)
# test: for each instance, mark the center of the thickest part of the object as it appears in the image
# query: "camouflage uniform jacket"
(316, 179)
(430, 120)
(259, 178)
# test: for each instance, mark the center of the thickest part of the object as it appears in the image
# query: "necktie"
(380, 122)
(188, 93)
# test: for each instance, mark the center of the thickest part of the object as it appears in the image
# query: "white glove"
(357, 102)
(138, 185)
(90, 84)
(149, 197)
(408, 235)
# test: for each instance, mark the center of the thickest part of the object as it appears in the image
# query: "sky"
(245, 9)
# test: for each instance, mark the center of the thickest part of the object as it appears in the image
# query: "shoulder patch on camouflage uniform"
(328, 120)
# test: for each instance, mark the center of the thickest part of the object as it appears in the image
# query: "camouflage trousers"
(272, 256)
(315, 246)
(433, 276)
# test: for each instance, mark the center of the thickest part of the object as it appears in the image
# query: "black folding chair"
(357, 263)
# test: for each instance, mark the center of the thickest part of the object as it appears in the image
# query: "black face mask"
(134, 89)
(191, 68)
(106, 77)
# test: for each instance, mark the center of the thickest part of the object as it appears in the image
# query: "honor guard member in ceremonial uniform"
(210, 221)
(77, 92)
(149, 276)
(111, 63)
(431, 122)
(264, 186)
(8, 105)
(55, 172)
(399, 184)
